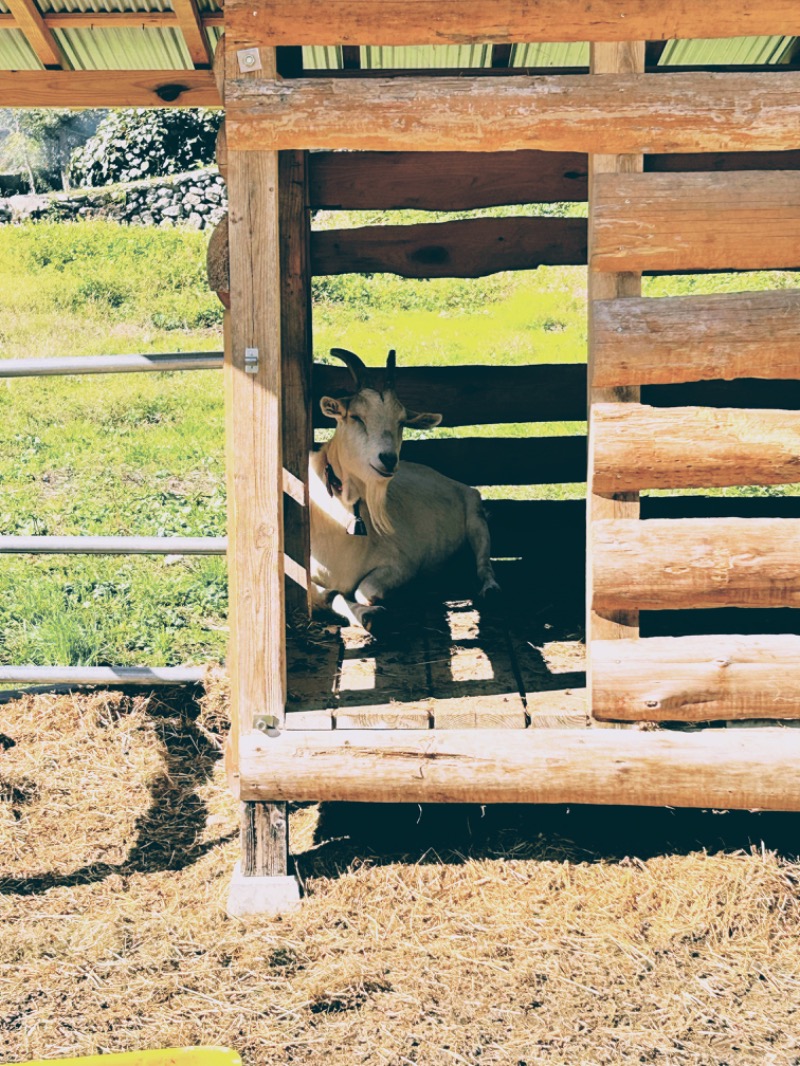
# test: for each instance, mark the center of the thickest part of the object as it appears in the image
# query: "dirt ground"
(427, 936)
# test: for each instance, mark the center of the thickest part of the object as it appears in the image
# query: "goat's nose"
(388, 459)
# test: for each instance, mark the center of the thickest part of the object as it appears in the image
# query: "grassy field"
(143, 454)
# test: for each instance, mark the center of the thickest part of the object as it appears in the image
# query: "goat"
(377, 523)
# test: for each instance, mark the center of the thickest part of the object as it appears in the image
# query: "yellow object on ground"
(182, 1056)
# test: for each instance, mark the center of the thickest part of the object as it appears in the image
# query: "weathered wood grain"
(674, 222)
(190, 24)
(689, 563)
(692, 338)
(95, 88)
(713, 768)
(353, 22)
(468, 248)
(618, 113)
(697, 679)
(639, 447)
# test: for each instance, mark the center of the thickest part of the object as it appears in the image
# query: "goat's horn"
(391, 366)
(354, 363)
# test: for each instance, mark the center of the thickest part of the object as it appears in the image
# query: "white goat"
(376, 523)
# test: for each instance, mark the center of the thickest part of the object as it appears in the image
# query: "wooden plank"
(476, 395)
(618, 113)
(744, 221)
(608, 61)
(296, 344)
(29, 20)
(397, 22)
(95, 88)
(113, 20)
(474, 679)
(639, 447)
(265, 839)
(190, 24)
(502, 460)
(468, 248)
(712, 768)
(691, 338)
(690, 563)
(443, 181)
(697, 679)
(383, 687)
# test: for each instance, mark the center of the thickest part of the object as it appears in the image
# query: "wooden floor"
(450, 666)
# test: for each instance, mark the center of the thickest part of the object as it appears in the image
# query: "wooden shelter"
(686, 168)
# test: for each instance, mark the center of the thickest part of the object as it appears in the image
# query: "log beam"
(714, 768)
(696, 338)
(638, 447)
(617, 113)
(675, 222)
(397, 22)
(103, 88)
(190, 24)
(695, 562)
(697, 679)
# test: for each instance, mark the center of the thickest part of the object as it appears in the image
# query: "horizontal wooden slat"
(713, 768)
(460, 181)
(402, 22)
(468, 248)
(691, 338)
(730, 562)
(103, 88)
(443, 181)
(475, 395)
(638, 447)
(674, 222)
(113, 20)
(584, 113)
(697, 679)
(503, 460)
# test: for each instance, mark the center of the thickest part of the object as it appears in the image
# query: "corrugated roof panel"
(322, 58)
(95, 7)
(125, 49)
(4, 9)
(376, 57)
(214, 34)
(209, 6)
(16, 53)
(550, 55)
(722, 51)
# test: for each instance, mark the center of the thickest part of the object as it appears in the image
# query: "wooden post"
(254, 415)
(622, 58)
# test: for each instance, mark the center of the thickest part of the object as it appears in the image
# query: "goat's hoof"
(377, 621)
(490, 596)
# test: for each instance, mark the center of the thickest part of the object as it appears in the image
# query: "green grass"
(143, 454)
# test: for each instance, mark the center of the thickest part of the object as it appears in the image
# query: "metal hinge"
(251, 360)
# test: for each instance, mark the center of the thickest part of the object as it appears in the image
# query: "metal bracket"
(251, 360)
(249, 59)
(267, 724)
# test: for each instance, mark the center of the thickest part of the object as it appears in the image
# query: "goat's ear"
(332, 408)
(421, 421)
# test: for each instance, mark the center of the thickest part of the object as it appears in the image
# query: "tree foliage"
(142, 143)
(40, 141)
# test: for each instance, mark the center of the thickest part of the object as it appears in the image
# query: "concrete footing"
(261, 895)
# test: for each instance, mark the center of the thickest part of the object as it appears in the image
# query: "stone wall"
(196, 199)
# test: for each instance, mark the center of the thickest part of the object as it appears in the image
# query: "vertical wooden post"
(254, 411)
(296, 343)
(618, 58)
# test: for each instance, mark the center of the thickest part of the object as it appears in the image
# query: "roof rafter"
(191, 26)
(38, 34)
(113, 20)
(108, 88)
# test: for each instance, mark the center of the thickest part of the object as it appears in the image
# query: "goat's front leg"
(365, 608)
(480, 542)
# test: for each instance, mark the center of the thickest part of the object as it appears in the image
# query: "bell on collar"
(356, 526)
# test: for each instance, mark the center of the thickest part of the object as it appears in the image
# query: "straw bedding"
(430, 937)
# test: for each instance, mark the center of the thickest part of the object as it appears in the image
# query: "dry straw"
(428, 937)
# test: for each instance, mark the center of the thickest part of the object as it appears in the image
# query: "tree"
(40, 143)
(141, 143)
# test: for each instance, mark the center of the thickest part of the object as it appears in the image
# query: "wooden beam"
(103, 88)
(398, 22)
(714, 768)
(39, 36)
(697, 679)
(608, 62)
(113, 20)
(468, 248)
(190, 24)
(444, 181)
(638, 447)
(695, 338)
(674, 222)
(691, 563)
(623, 113)
(503, 460)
